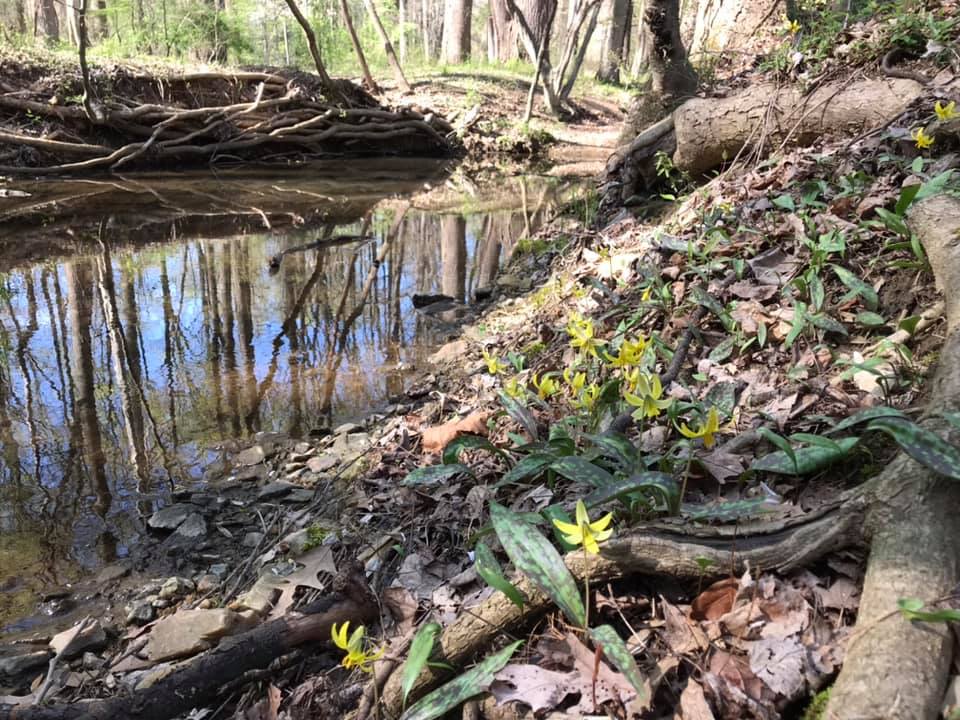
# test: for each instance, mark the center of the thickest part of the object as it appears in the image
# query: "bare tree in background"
(455, 46)
(615, 40)
(50, 24)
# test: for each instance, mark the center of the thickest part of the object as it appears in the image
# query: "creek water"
(146, 322)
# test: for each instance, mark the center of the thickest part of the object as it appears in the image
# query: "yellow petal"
(601, 524)
(565, 527)
(603, 535)
(356, 639)
(582, 517)
(687, 432)
(590, 544)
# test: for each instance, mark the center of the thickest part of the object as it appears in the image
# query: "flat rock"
(193, 527)
(252, 472)
(451, 352)
(348, 429)
(188, 632)
(252, 539)
(15, 665)
(141, 613)
(322, 463)
(171, 517)
(514, 282)
(299, 495)
(176, 587)
(251, 456)
(71, 644)
(275, 490)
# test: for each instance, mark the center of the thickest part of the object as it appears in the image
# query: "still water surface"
(145, 322)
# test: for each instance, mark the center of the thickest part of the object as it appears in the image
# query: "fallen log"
(198, 682)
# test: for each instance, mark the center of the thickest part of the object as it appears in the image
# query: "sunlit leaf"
(817, 440)
(538, 559)
(778, 441)
(912, 609)
(870, 319)
(806, 460)
(579, 470)
(433, 474)
(420, 650)
(825, 322)
(521, 414)
(925, 447)
(451, 452)
(618, 653)
(489, 569)
(657, 482)
(473, 682)
(907, 195)
(865, 291)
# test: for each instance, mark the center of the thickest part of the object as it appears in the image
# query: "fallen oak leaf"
(716, 601)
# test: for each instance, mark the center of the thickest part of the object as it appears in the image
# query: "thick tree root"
(675, 551)
(895, 668)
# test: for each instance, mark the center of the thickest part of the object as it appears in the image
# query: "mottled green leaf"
(618, 448)
(870, 319)
(618, 653)
(784, 202)
(953, 418)
(527, 467)
(728, 511)
(538, 559)
(781, 442)
(893, 222)
(808, 459)
(452, 451)
(865, 416)
(865, 291)
(907, 195)
(579, 470)
(925, 447)
(723, 350)
(489, 569)
(473, 682)
(817, 440)
(825, 322)
(521, 414)
(433, 474)
(657, 482)
(723, 395)
(420, 650)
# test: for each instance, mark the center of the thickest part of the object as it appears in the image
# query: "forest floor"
(750, 329)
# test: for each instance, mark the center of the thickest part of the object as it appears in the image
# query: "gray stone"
(71, 644)
(302, 448)
(171, 517)
(322, 463)
(92, 661)
(220, 570)
(188, 632)
(300, 495)
(451, 352)
(349, 447)
(514, 282)
(141, 613)
(274, 490)
(347, 429)
(252, 539)
(15, 665)
(251, 456)
(207, 583)
(193, 527)
(254, 472)
(112, 572)
(176, 587)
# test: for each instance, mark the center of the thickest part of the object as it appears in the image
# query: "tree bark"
(615, 40)
(387, 46)
(673, 75)
(455, 45)
(504, 32)
(368, 80)
(328, 87)
(49, 21)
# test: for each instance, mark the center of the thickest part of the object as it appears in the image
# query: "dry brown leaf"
(693, 703)
(435, 439)
(842, 595)
(402, 605)
(683, 636)
(779, 663)
(788, 612)
(736, 671)
(266, 709)
(716, 601)
(320, 559)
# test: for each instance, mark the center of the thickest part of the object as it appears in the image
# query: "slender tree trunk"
(20, 10)
(329, 88)
(103, 25)
(615, 41)
(47, 10)
(368, 80)
(534, 27)
(504, 32)
(387, 46)
(402, 13)
(455, 46)
(453, 256)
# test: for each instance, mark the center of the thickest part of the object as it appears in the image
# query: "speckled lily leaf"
(618, 448)
(865, 416)
(922, 445)
(808, 459)
(657, 482)
(527, 467)
(471, 683)
(579, 470)
(451, 453)
(539, 560)
(420, 650)
(521, 414)
(489, 569)
(616, 650)
(433, 474)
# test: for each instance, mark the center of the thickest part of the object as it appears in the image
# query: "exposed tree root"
(895, 668)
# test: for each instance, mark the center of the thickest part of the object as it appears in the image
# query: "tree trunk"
(387, 46)
(673, 75)
(504, 33)
(453, 256)
(614, 40)
(20, 10)
(48, 20)
(455, 46)
(732, 25)
(218, 54)
(103, 26)
(328, 87)
(368, 80)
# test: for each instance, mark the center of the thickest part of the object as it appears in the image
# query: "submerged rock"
(171, 517)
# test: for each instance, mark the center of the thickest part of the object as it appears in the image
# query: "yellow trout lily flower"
(791, 26)
(707, 430)
(586, 533)
(580, 331)
(356, 656)
(576, 381)
(546, 386)
(515, 389)
(587, 398)
(647, 397)
(494, 366)
(921, 138)
(945, 112)
(629, 355)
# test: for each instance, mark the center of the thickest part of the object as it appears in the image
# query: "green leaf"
(817, 293)
(577, 469)
(894, 222)
(761, 333)
(722, 351)
(781, 442)
(865, 416)
(660, 483)
(912, 609)
(473, 682)
(907, 196)
(953, 418)
(807, 459)
(618, 448)
(925, 447)
(470, 442)
(433, 474)
(520, 413)
(870, 319)
(420, 650)
(817, 441)
(865, 291)
(538, 559)
(909, 324)
(825, 322)
(529, 466)
(618, 653)
(489, 569)
(933, 186)
(799, 324)
(785, 202)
